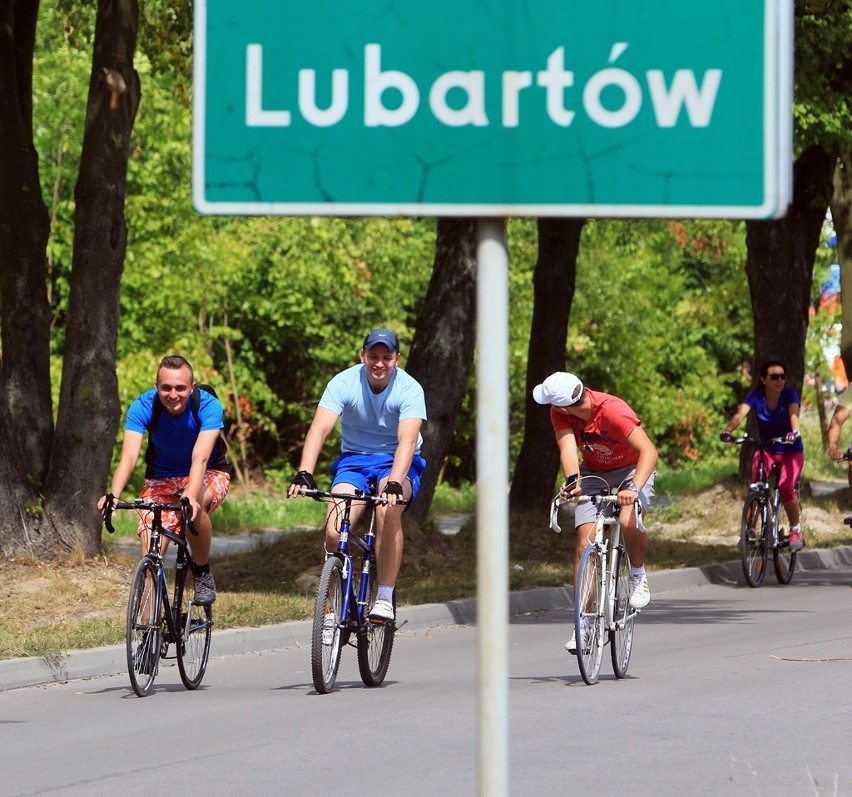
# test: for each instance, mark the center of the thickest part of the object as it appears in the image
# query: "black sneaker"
(205, 589)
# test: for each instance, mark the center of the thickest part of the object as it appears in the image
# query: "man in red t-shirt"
(617, 455)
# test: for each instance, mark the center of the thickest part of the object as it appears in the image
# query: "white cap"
(560, 389)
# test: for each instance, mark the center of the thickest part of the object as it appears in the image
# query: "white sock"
(637, 571)
(384, 593)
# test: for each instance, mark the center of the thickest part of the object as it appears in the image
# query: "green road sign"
(455, 107)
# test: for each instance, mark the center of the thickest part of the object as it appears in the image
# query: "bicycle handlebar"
(603, 498)
(142, 504)
(358, 495)
(738, 441)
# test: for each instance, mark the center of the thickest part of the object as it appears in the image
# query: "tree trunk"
(26, 416)
(553, 284)
(442, 352)
(780, 266)
(89, 409)
(841, 213)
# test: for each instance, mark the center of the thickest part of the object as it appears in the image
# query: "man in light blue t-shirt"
(381, 409)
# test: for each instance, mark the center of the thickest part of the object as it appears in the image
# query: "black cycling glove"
(304, 478)
(393, 488)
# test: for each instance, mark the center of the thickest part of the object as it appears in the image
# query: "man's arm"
(839, 417)
(201, 452)
(639, 440)
(407, 432)
(321, 426)
(569, 458)
(131, 446)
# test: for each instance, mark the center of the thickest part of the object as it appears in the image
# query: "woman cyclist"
(776, 405)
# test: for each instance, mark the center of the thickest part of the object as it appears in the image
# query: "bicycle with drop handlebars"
(602, 610)
(154, 622)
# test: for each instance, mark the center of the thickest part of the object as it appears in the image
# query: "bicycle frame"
(355, 607)
(607, 548)
(161, 594)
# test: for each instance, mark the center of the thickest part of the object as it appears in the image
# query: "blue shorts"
(359, 469)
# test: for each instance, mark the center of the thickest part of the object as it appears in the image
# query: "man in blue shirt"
(182, 459)
(381, 409)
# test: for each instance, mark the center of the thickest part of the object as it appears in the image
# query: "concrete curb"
(72, 665)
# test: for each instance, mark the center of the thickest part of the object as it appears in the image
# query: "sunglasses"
(777, 376)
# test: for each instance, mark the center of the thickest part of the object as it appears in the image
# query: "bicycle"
(345, 595)
(153, 621)
(761, 529)
(604, 570)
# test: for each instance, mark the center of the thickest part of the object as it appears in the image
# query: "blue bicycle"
(344, 597)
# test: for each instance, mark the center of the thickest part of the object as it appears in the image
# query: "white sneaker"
(382, 612)
(797, 541)
(571, 644)
(328, 624)
(640, 592)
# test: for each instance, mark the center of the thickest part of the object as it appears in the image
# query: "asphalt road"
(730, 691)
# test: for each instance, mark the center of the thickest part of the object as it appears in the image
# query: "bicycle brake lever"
(106, 514)
(554, 513)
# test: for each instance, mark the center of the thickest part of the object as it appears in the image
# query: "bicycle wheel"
(588, 620)
(783, 557)
(753, 550)
(621, 636)
(375, 644)
(325, 636)
(144, 624)
(195, 626)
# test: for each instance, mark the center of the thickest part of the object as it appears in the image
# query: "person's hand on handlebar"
(834, 452)
(791, 437)
(726, 437)
(392, 493)
(628, 494)
(103, 500)
(304, 480)
(571, 486)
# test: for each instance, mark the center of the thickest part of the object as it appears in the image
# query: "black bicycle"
(347, 589)
(153, 621)
(761, 530)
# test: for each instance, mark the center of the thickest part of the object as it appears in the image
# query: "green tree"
(52, 475)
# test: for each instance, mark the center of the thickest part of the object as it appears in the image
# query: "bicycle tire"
(325, 640)
(621, 635)
(587, 612)
(144, 627)
(783, 558)
(195, 628)
(375, 644)
(754, 551)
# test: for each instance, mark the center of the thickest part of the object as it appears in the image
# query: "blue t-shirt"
(775, 423)
(369, 421)
(174, 437)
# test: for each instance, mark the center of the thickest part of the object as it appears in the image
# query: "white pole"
(492, 504)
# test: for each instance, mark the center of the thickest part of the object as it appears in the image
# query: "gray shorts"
(593, 481)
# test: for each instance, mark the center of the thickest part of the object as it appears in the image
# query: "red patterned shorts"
(169, 491)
